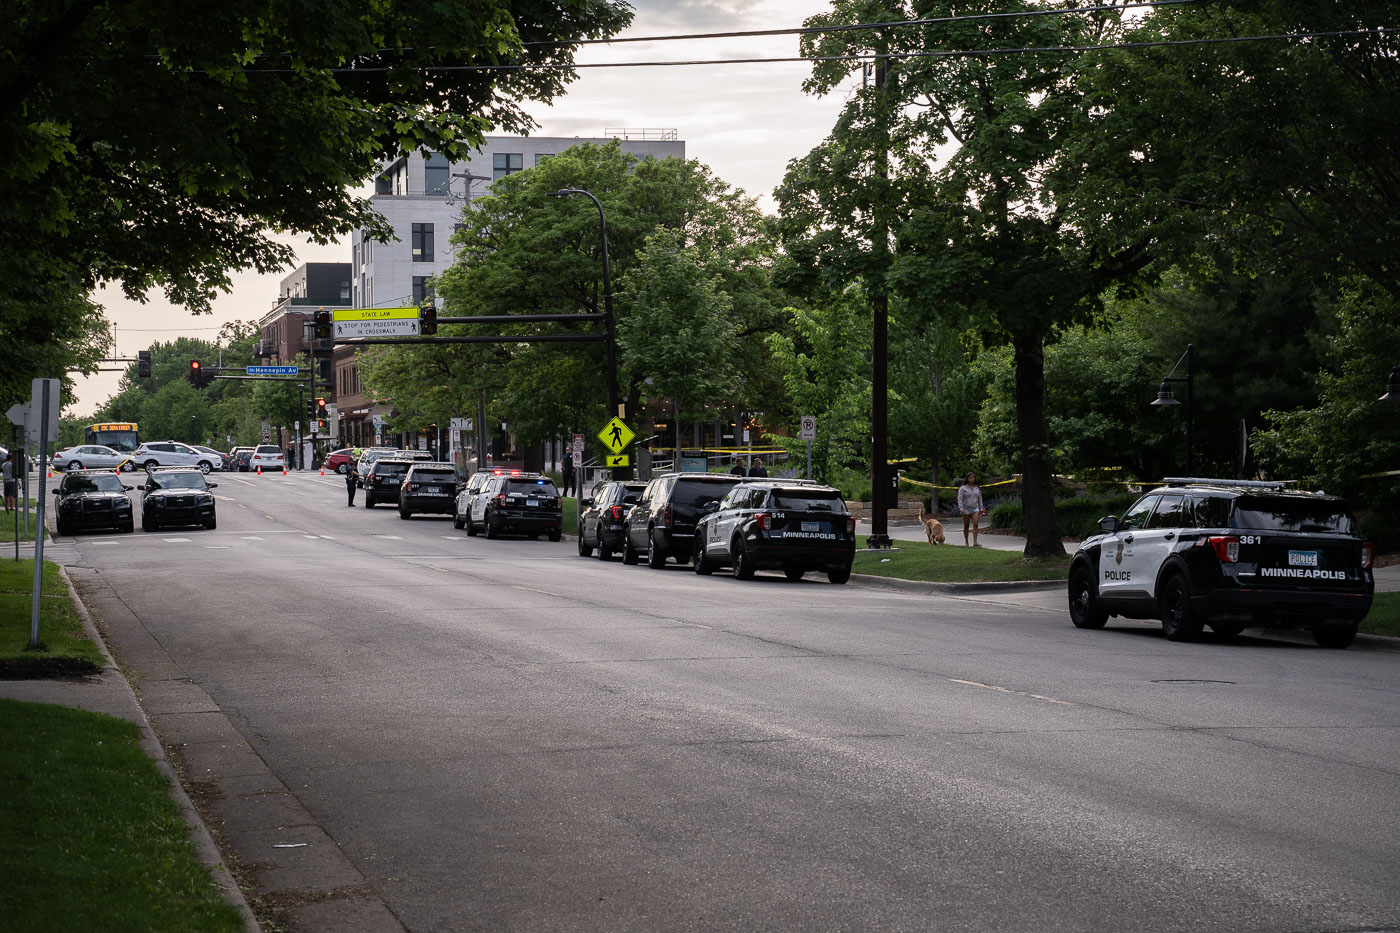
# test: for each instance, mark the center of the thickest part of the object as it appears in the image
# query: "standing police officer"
(351, 476)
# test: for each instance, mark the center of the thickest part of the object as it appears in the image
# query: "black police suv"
(177, 496)
(601, 522)
(384, 479)
(92, 499)
(792, 526)
(519, 503)
(1230, 554)
(427, 487)
(662, 524)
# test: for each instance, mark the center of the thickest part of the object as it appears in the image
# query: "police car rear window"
(428, 476)
(810, 500)
(1285, 513)
(532, 487)
(384, 467)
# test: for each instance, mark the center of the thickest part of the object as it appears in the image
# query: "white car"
(172, 453)
(221, 463)
(91, 457)
(267, 457)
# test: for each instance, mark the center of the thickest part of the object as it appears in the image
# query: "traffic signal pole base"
(878, 542)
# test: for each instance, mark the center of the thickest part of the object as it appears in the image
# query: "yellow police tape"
(914, 482)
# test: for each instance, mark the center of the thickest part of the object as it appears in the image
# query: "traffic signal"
(143, 364)
(324, 330)
(321, 408)
(311, 409)
(196, 373)
(427, 320)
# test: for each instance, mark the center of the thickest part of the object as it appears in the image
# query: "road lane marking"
(218, 547)
(533, 590)
(251, 538)
(388, 537)
(1021, 693)
(176, 540)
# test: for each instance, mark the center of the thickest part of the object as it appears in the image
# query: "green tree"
(823, 359)
(950, 157)
(207, 133)
(675, 327)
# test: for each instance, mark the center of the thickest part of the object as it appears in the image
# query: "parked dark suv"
(92, 499)
(601, 522)
(383, 480)
(662, 524)
(1229, 554)
(519, 503)
(792, 526)
(427, 487)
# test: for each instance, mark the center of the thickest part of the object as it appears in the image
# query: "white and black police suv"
(1230, 554)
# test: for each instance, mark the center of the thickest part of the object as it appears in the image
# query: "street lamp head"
(1392, 390)
(1164, 394)
(563, 192)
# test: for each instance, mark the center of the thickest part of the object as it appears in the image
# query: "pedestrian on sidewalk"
(350, 477)
(738, 468)
(7, 469)
(971, 507)
(756, 468)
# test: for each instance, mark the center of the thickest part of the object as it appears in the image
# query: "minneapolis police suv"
(1228, 554)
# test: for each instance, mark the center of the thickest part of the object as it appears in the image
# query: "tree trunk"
(1037, 498)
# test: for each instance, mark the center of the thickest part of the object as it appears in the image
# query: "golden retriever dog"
(932, 526)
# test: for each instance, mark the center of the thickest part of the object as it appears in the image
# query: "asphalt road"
(500, 735)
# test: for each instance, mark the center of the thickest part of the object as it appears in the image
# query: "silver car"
(172, 453)
(91, 457)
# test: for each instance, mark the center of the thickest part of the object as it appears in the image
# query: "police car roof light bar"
(1243, 483)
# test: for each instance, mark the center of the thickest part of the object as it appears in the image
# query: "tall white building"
(422, 197)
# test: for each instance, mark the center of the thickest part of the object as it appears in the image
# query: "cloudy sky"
(744, 121)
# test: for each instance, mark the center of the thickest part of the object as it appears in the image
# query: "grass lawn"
(64, 646)
(93, 840)
(7, 527)
(954, 564)
(570, 515)
(1384, 617)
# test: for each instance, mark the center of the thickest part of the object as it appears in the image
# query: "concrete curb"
(955, 589)
(206, 850)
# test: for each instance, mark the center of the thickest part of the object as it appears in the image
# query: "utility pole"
(880, 246)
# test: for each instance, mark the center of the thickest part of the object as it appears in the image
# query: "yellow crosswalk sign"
(616, 435)
(618, 461)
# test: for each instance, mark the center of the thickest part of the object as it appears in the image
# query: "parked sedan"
(601, 523)
(340, 461)
(176, 496)
(792, 526)
(171, 453)
(91, 457)
(239, 458)
(92, 499)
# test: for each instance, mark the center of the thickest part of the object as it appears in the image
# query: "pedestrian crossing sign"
(616, 435)
(618, 461)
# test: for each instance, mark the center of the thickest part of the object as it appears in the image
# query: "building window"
(541, 157)
(435, 177)
(422, 242)
(421, 289)
(506, 163)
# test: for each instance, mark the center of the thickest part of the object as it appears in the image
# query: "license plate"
(532, 502)
(811, 526)
(1302, 558)
(434, 492)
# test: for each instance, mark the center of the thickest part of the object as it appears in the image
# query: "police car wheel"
(1227, 629)
(701, 565)
(743, 565)
(471, 527)
(557, 536)
(604, 552)
(1339, 635)
(584, 548)
(1084, 609)
(793, 573)
(629, 553)
(1179, 619)
(457, 521)
(839, 574)
(489, 521)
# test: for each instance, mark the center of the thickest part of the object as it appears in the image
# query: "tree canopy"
(144, 145)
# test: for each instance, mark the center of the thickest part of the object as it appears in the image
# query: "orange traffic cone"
(260, 469)
(284, 469)
(323, 471)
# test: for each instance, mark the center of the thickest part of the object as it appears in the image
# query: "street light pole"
(614, 406)
(1165, 397)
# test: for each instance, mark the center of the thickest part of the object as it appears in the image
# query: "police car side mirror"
(711, 506)
(585, 502)
(1108, 523)
(212, 485)
(128, 488)
(57, 491)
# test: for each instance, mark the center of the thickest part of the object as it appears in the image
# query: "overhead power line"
(956, 53)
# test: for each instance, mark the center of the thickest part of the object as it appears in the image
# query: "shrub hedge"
(1078, 517)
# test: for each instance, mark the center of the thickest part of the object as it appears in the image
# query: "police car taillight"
(666, 517)
(1227, 547)
(851, 525)
(617, 513)
(1368, 554)
(762, 519)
